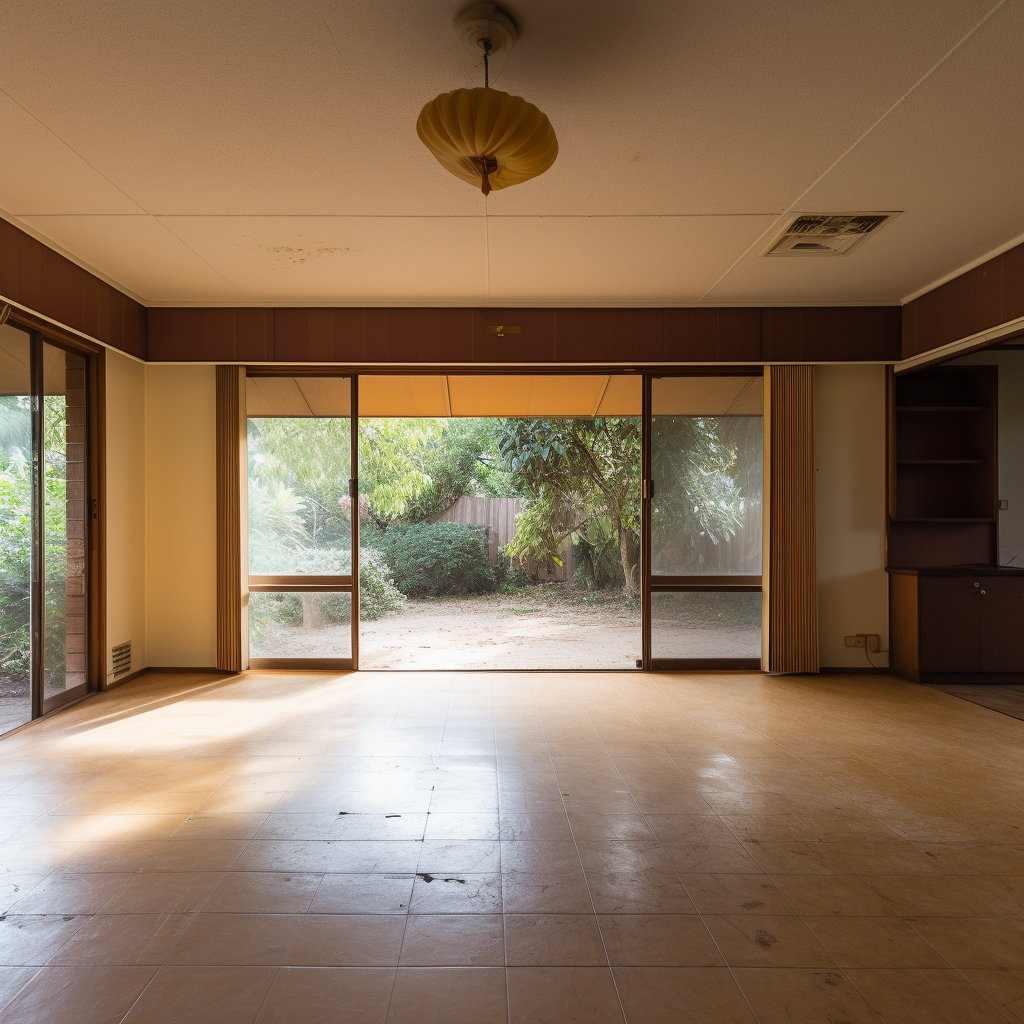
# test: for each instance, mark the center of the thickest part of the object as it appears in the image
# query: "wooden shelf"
(941, 408)
(935, 519)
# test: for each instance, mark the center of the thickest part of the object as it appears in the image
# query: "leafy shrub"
(510, 579)
(440, 559)
(378, 594)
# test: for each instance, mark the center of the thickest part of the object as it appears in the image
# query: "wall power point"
(855, 641)
(870, 641)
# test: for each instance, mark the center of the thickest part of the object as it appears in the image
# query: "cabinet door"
(953, 614)
(1002, 625)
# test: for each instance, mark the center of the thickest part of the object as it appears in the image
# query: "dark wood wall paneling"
(452, 336)
(985, 297)
(39, 278)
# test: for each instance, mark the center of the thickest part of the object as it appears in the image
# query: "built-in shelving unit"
(943, 502)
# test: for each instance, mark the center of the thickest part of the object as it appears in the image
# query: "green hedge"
(440, 559)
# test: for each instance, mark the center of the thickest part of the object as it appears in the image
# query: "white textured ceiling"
(265, 152)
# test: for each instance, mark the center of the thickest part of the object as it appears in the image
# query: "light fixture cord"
(486, 44)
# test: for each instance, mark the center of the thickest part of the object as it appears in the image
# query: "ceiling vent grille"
(826, 234)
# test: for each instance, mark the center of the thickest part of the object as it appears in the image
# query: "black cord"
(486, 43)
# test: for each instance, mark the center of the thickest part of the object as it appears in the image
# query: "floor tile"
(203, 995)
(553, 940)
(681, 995)
(331, 940)
(356, 995)
(658, 940)
(928, 895)
(1004, 989)
(759, 941)
(33, 939)
(735, 894)
(560, 995)
(454, 940)
(217, 940)
(873, 942)
(843, 895)
(164, 892)
(66, 893)
(456, 893)
(264, 892)
(973, 942)
(453, 995)
(122, 940)
(923, 997)
(788, 996)
(86, 995)
(363, 894)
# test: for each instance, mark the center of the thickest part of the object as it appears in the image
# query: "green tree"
(577, 473)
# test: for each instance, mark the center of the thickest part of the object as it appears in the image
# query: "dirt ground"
(529, 630)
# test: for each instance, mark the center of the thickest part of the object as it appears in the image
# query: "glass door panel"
(705, 520)
(16, 517)
(64, 523)
(301, 534)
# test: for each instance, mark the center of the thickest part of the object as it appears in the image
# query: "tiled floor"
(468, 849)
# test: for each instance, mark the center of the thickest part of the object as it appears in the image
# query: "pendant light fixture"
(484, 136)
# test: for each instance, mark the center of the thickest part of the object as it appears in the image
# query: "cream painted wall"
(182, 496)
(126, 507)
(850, 454)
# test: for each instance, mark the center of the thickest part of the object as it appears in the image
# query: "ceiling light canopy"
(483, 136)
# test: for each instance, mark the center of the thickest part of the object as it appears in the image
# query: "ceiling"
(256, 152)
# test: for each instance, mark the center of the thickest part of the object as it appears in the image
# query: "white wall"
(126, 507)
(1011, 447)
(182, 498)
(850, 453)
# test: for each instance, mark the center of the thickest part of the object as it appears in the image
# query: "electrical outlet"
(855, 641)
(874, 642)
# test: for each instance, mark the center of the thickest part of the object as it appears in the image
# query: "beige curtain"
(792, 555)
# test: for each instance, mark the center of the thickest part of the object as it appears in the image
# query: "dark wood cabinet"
(958, 624)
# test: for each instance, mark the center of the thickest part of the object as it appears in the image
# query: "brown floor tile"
(644, 892)
(710, 857)
(128, 855)
(328, 940)
(85, 995)
(264, 892)
(898, 858)
(756, 941)
(65, 893)
(553, 940)
(398, 857)
(562, 995)
(357, 995)
(923, 997)
(788, 996)
(203, 995)
(219, 940)
(658, 940)
(800, 857)
(456, 940)
(735, 894)
(449, 995)
(269, 855)
(681, 995)
(123, 940)
(973, 942)
(33, 939)
(363, 894)
(164, 892)
(452, 855)
(928, 896)
(873, 942)
(456, 893)
(1004, 893)
(546, 892)
(1004, 989)
(196, 855)
(843, 895)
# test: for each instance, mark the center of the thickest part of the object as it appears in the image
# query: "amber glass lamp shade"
(487, 137)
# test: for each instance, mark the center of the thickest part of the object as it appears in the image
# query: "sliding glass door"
(44, 526)
(302, 534)
(703, 521)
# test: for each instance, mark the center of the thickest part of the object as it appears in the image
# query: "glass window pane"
(706, 460)
(300, 519)
(300, 625)
(705, 625)
(15, 529)
(64, 533)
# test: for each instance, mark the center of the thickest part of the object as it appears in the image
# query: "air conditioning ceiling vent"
(826, 234)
